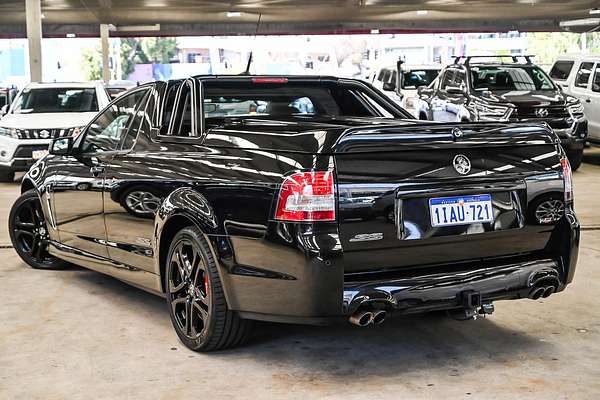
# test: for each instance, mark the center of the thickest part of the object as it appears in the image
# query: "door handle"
(97, 170)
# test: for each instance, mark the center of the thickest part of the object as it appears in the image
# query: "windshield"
(508, 78)
(281, 100)
(56, 100)
(419, 77)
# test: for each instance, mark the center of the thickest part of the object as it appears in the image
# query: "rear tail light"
(568, 178)
(307, 196)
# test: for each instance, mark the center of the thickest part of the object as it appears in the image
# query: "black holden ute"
(476, 88)
(300, 200)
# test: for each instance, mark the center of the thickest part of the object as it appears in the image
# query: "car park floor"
(78, 334)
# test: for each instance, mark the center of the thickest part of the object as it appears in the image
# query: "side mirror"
(454, 90)
(389, 87)
(424, 91)
(4, 110)
(62, 146)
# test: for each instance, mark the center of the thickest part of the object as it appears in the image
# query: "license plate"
(461, 210)
(37, 154)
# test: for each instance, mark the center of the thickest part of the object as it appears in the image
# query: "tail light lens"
(568, 178)
(307, 196)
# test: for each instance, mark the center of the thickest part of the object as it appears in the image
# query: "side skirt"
(134, 276)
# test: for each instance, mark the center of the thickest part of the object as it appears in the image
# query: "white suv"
(40, 112)
(413, 76)
(579, 76)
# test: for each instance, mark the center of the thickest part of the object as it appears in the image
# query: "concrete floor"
(78, 334)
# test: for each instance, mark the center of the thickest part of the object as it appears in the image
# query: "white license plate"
(461, 210)
(37, 154)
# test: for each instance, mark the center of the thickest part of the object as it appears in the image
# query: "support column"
(104, 28)
(33, 17)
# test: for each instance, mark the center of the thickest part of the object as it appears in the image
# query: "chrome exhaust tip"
(536, 293)
(379, 317)
(548, 291)
(361, 318)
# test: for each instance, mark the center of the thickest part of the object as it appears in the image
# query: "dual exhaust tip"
(541, 292)
(365, 317)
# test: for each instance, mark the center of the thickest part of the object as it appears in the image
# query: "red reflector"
(269, 80)
(307, 196)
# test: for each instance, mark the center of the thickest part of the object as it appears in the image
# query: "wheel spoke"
(38, 250)
(176, 302)
(20, 232)
(179, 263)
(24, 225)
(188, 317)
(176, 288)
(200, 304)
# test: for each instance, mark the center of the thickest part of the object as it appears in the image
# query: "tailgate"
(388, 184)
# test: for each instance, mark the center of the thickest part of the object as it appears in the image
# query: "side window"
(141, 122)
(459, 80)
(561, 70)
(583, 75)
(446, 79)
(106, 131)
(181, 123)
(596, 81)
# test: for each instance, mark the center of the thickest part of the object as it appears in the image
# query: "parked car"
(350, 210)
(413, 76)
(117, 88)
(40, 112)
(472, 89)
(579, 76)
(7, 94)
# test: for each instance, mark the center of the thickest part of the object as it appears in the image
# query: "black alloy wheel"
(29, 233)
(195, 297)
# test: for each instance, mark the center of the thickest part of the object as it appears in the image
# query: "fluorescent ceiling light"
(595, 11)
(579, 22)
(422, 12)
(138, 28)
(232, 14)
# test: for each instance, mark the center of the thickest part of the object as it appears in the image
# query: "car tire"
(195, 297)
(575, 159)
(7, 176)
(29, 233)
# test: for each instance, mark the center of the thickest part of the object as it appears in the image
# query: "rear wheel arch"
(26, 185)
(170, 228)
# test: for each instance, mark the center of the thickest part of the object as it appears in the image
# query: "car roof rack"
(515, 58)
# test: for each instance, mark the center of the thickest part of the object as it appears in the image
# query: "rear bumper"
(266, 281)
(443, 291)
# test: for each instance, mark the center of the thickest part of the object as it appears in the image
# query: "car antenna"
(247, 71)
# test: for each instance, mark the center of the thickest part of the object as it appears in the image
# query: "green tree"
(548, 46)
(92, 63)
(159, 50)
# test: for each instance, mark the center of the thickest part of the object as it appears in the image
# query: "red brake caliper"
(206, 284)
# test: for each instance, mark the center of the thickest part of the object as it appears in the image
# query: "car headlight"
(576, 110)
(10, 132)
(495, 113)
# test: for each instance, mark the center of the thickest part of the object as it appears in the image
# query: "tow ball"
(472, 306)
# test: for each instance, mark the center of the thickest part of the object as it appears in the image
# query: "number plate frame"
(467, 202)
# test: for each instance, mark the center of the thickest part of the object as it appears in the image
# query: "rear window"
(56, 100)
(561, 70)
(284, 100)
